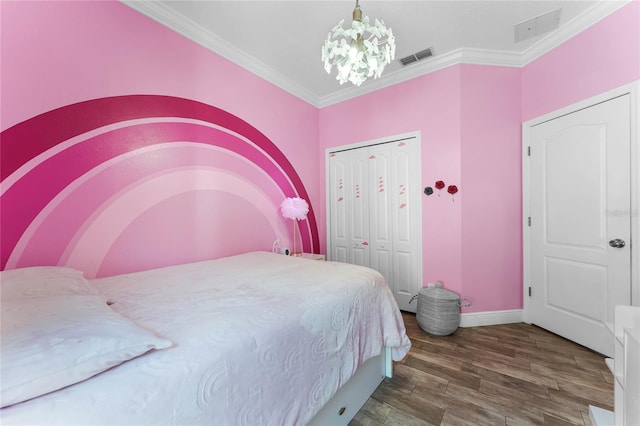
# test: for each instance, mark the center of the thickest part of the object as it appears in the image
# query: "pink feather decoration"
(294, 208)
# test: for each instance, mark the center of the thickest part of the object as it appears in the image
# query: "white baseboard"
(476, 319)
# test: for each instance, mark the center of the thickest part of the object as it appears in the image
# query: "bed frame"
(351, 397)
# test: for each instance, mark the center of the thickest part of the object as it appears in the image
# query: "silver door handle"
(617, 243)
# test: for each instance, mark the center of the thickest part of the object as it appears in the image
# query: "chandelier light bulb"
(359, 52)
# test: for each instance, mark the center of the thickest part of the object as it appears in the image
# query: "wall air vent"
(423, 54)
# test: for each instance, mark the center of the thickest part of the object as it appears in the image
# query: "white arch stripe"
(94, 244)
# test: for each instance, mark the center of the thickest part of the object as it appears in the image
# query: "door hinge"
(529, 221)
(529, 291)
(529, 151)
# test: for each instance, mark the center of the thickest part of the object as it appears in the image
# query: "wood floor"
(495, 375)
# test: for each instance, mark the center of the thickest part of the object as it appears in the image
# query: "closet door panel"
(380, 190)
(403, 263)
(339, 178)
(375, 212)
(405, 199)
(381, 243)
(381, 261)
(340, 254)
(358, 202)
(401, 199)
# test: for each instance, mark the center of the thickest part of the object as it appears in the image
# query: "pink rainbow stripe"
(87, 195)
(22, 202)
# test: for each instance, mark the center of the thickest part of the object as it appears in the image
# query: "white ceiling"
(281, 40)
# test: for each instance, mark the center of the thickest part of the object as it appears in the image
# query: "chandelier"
(359, 52)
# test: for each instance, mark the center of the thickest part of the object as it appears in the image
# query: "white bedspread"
(260, 339)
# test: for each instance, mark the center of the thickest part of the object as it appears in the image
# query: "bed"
(253, 339)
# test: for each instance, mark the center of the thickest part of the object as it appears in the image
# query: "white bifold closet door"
(374, 216)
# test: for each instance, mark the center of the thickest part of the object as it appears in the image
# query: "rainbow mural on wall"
(128, 183)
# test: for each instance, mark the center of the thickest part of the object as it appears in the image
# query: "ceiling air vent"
(423, 54)
(539, 25)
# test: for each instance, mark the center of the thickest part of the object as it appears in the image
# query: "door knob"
(617, 243)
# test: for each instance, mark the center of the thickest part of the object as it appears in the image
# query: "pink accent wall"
(80, 183)
(56, 54)
(429, 103)
(601, 58)
(470, 121)
(491, 187)
(468, 117)
(59, 53)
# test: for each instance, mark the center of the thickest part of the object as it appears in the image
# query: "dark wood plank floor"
(495, 375)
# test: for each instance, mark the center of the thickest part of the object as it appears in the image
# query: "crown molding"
(572, 28)
(417, 69)
(491, 57)
(178, 23)
(480, 56)
(410, 72)
(158, 12)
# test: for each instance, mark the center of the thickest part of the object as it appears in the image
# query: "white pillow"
(39, 281)
(52, 342)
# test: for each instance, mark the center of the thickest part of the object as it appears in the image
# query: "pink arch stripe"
(28, 139)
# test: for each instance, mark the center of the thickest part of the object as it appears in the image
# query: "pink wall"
(429, 103)
(491, 177)
(468, 117)
(470, 120)
(193, 193)
(603, 57)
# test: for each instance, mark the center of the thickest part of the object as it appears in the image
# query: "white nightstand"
(313, 256)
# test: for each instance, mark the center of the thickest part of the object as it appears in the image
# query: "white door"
(380, 195)
(349, 208)
(406, 223)
(580, 258)
(374, 212)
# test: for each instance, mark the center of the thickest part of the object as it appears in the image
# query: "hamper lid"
(439, 293)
